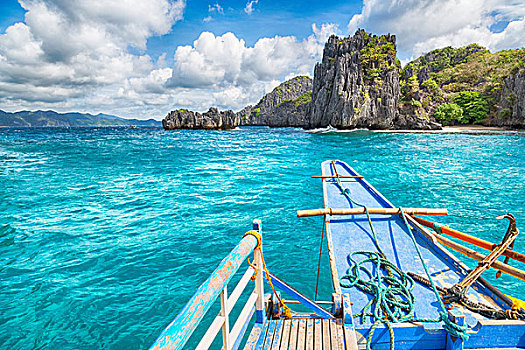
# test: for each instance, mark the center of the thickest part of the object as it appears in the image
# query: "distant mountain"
(73, 119)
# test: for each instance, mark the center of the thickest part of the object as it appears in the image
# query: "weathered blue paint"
(487, 334)
(352, 233)
(280, 284)
(348, 317)
(277, 332)
(180, 329)
(260, 316)
(269, 335)
(256, 338)
(454, 343)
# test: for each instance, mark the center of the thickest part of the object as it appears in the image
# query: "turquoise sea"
(106, 233)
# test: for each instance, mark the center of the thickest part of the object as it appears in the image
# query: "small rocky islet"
(360, 84)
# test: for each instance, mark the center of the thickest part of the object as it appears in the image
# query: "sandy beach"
(460, 129)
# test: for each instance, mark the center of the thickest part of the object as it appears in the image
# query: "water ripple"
(105, 233)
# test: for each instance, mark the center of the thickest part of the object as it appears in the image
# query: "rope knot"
(257, 235)
(438, 227)
(452, 328)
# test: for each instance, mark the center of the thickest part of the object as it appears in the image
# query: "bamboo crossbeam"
(338, 177)
(471, 239)
(478, 256)
(357, 211)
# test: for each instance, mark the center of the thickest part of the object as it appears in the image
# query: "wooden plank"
(331, 258)
(350, 338)
(310, 334)
(269, 335)
(254, 340)
(301, 334)
(326, 334)
(294, 328)
(277, 334)
(285, 337)
(336, 332)
(318, 341)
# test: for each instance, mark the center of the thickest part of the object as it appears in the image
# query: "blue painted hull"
(348, 233)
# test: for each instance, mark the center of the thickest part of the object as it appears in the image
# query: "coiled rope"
(391, 288)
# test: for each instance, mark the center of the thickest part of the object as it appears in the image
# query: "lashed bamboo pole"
(471, 239)
(478, 256)
(357, 211)
(338, 177)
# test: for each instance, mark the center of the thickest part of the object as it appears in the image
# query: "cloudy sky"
(143, 58)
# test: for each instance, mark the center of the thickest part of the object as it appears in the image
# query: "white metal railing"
(231, 338)
(180, 329)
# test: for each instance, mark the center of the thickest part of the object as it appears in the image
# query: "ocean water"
(106, 233)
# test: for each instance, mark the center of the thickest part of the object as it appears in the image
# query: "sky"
(144, 58)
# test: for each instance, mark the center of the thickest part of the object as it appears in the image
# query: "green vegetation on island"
(303, 99)
(378, 55)
(360, 83)
(461, 85)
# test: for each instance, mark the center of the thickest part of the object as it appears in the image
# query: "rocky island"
(360, 84)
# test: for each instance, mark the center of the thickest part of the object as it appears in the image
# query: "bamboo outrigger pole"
(469, 239)
(357, 211)
(472, 253)
(478, 256)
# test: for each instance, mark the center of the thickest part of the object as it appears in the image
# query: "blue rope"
(452, 328)
(391, 288)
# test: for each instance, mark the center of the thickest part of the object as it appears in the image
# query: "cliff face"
(211, 120)
(284, 106)
(357, 84)
(511, 105)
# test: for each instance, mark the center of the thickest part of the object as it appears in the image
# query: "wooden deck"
(303, 333)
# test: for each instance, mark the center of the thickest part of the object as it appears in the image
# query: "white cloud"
(68, 55)
(220, 61)
(249, 6)
(423, 25)
(73, 49)
(235, 74)
(216, 8)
